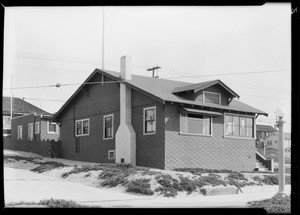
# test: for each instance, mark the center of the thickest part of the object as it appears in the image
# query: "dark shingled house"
(122, 118)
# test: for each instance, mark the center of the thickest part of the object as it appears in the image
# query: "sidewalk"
(23, 185)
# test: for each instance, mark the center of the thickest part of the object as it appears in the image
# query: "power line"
(63, 85)
(223, 74)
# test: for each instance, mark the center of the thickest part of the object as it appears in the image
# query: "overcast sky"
(48, 45)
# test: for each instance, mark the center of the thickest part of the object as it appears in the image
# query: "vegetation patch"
(48, 165)
(277, 204)
(77, 170)
(139, 186)
(188, 185)
(53, 203)
(34, 160)
(169, 186)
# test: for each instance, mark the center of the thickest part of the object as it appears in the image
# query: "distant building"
(262, 131)
(34, 127)
(20, 108)
(271, 141)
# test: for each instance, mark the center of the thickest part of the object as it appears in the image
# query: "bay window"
(239, 126)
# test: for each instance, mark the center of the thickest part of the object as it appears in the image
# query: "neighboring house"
(34, 128)
(262, 131)
(271, 141)
(20, 108)
(158, 123)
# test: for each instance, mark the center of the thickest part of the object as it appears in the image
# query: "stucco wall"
(217, 152)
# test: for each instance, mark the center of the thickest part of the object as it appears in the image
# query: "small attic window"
(210, 97)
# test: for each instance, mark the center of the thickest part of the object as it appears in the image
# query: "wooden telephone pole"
(153, 71)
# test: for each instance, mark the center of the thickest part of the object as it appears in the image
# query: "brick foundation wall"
(217, 152)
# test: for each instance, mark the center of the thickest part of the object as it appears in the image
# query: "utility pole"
(11, 100)
(153, 70)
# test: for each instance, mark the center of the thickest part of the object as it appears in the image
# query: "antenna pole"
(103, 39)
(153, 70)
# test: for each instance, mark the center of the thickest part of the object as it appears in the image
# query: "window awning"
(204, 112)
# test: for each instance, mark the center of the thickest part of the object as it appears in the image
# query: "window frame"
(184, 115)
(48, 126)
(36, 125)
(203, 97)
(30, 134)
(82, 120)
(111, 158)
(112, 126)
(20, 134)
(144, 120)
(239, 137)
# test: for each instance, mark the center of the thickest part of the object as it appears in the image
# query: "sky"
(48, 45)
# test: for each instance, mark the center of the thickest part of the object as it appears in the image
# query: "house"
(271, 141)
(19, 108)
(34, 127)
(262, 131)
(123, 118)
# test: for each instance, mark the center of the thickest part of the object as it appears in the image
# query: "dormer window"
(210, 97)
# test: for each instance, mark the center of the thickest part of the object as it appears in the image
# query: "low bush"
(139, 186)
(28, 159)
(46, 166)
(277, 204)
(61, 203)
(270, 179)
(169, 186)
(77, 170)
(188, 185)
(213, 180)
(237, 176)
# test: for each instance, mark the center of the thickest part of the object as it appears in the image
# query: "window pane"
(108, 132)
(149, 114)
(85, 127)
(249, 122)
(242, 126)
(150, 127)
(79, 128)
(249, 132)
(199, 125)
(108, 121)
(52, 127)
(211, 98)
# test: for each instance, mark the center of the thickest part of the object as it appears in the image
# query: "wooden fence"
(46, 148)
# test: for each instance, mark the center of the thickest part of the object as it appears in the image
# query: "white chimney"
(125, 149)
(126, 67)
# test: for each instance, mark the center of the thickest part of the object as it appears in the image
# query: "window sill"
(82, 135)
(245, 138)
(109, 138)
(149, 133)
(190, 134)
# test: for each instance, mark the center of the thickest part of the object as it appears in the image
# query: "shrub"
(270, 179)
(198, 171)
(213, 180)
(77, 170)
(60, 203)
(188, 185)
(258, 179)
(277, 204)
(140, 186)
(46, 166)
(169, 186)
(237, 176)
(113, 181)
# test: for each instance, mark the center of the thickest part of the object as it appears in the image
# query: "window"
(239, 126)
(210, 97)
(37, 127)
(6, 122)
(51, 128)
(270, 142)
(111, 154)
(108, 127)
(82, 127)
(275, 141)
(19, 131)
(195, 124)
(30, 131)
(149, 120)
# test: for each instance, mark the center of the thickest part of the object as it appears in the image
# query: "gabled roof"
(204, 85)
(161, 90)
(266, 128)
(20, 106)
